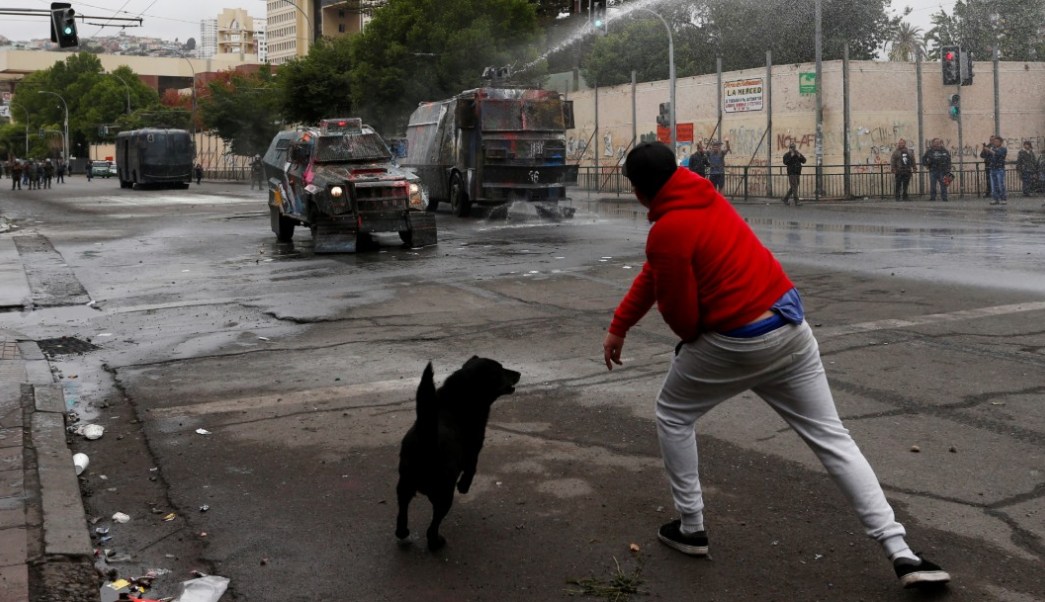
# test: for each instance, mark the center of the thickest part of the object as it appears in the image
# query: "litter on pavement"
(90, 431)
(207, 588)
(81, 461)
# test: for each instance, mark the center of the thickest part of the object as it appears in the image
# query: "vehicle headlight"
(418, 196)
(337, 191)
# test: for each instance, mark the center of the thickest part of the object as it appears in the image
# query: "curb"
(42, 517)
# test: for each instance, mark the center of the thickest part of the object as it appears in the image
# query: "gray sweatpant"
(782, 367)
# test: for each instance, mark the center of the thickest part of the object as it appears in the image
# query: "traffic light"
(664, 117)
(598, 20)
(956, 107)
(965, 67)
(63, 25)
(951, 59)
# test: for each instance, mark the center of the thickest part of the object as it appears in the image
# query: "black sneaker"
(694, 544)
(920, 573)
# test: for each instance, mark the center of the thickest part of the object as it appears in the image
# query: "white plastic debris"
(90, 431)
(202, 432)
(207, 588)
(80, 461)
(121, 518)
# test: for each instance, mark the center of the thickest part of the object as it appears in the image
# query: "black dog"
(443, 444)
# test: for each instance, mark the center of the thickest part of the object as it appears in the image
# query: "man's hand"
(611, 347)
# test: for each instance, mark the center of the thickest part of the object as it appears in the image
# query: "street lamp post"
(65, 140)
(671, 74)
(128, 90)
(193, 69)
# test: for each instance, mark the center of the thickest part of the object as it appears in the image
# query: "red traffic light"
(949, 56)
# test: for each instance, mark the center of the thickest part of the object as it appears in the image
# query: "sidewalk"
(41, 513)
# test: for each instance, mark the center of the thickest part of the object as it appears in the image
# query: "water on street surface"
(301, 368)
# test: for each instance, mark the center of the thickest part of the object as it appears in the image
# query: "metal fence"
(836, 182)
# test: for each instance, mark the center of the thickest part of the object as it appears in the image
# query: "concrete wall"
(883, 108)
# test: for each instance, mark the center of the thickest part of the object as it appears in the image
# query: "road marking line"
(965, 314)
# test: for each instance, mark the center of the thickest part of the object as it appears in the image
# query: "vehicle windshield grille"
(360, 148)
(522, 115)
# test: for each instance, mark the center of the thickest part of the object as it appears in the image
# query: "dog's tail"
(427, 407)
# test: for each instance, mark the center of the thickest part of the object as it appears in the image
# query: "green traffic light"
(67, 30)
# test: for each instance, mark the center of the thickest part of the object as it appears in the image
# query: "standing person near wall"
(15, 168)
(986, 156)
(717, 164)
(48, 172)
(742, 328)
(994, 153)
(903, 165)
(1041, 171)
(198, 173)
(793, 160)
(938, 161)
(1027, 165)
(698, 161)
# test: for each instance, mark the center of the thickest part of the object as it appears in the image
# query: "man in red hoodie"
(742, 327)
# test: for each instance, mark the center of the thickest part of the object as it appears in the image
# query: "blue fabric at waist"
(755, 329)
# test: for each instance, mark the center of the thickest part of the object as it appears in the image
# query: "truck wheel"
(459, 203)
(282, 225)
(407, 236)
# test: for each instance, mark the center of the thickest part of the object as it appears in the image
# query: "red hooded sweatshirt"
(705, 268)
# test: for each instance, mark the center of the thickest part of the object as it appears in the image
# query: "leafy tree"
(741, 31)
(416, 50)
(94, 98)
(112, 93)
(944, 32)
(613, 57)
(243, 109)
(977, 25)
(318, 85)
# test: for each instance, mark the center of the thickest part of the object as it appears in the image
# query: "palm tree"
(907, 42)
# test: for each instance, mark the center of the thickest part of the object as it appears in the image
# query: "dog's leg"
(404, 492)
(465, 483)
(471, 463)
(441, 502)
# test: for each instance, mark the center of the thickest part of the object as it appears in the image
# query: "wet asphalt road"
(302, 369)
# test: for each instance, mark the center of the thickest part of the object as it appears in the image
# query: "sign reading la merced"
(742, 95)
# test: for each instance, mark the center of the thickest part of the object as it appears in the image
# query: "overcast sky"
(181, 18)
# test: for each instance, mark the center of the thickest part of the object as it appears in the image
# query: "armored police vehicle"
(339, 180)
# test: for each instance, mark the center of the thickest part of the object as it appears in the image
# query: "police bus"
(154, 156)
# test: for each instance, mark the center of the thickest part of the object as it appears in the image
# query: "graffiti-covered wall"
(883, 103)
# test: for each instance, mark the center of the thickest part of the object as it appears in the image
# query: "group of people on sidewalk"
(711, 164)
(34, 174)
(937, 160)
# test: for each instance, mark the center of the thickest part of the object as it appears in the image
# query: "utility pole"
(819, 104)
